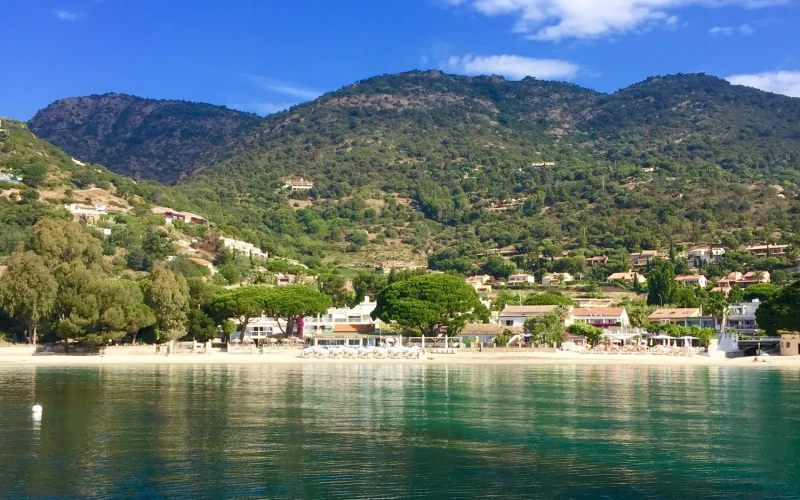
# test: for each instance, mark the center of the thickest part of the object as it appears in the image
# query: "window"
(788, 345)
(509, 322)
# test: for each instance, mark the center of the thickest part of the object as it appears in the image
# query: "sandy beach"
(23, 356)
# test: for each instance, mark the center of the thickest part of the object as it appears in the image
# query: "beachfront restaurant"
(351, 336)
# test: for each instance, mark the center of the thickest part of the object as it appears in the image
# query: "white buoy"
(37, 408)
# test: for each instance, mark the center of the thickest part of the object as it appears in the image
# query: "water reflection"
(373, 431)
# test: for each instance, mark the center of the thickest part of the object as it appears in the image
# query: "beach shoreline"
(289, 357)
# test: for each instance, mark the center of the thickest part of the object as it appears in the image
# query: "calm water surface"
(349, 431)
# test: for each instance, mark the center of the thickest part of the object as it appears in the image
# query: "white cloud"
(262, 107)
(66, 15)
(721, 30)
(555, 20)
(282, 87)
(744, 29)
(513, 67)
(780, 82)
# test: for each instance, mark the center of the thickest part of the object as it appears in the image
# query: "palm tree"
(717, 306)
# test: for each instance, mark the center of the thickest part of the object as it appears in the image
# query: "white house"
(516, 315)
(704, 255)
(520, 279)
(692, 280)
(87, 213)
(243, 247)
(300, 184)
(742, 317)
(556, 279)
(602, 316)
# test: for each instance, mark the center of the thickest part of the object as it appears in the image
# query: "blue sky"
(263, 56)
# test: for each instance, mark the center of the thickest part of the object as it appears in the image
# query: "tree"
(292, 303)
(368, 284)
(65, 242)
(716, 305)
(548, 299)
(736, 294)
(504, 298)
(28, 291)
(335, 286)
(94, 309)
(430, 304)
(498, 267)
(242, 304)
(546, 328)
(200, 326)
(760, 291)
(168, 295)
(781, 311)
(592, 333)
(638, 312)
(660, 282)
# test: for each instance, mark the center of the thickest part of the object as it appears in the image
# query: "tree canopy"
(781, 311)
(430, 304)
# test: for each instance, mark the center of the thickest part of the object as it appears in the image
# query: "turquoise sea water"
(389, 431)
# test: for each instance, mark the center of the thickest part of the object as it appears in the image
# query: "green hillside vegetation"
(422, 162)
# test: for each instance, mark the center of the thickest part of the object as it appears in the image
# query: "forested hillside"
(439, 162)
(141, 138)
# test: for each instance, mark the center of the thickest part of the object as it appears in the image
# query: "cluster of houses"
(483, 283)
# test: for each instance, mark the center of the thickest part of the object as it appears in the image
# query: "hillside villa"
(641, 259)
(243, 247)
(481, 283)
(704, 255)
(186, 217)
(597, 261)
(7, 177)
(502, 252)
(768, 250)
(627, 278)
(516, 315)
(556, 279)
(692, 280)
(89, 214)
(299, 184)
(282, 279)
(604, 317)
(743, 280)
(521, 279)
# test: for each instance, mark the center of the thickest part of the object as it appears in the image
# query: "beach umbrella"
(271, 340)
(236, 341)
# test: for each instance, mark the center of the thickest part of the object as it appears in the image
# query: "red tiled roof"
(347, 328)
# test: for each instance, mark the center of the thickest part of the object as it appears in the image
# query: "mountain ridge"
(139, 137)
